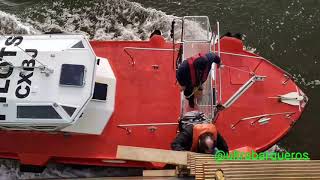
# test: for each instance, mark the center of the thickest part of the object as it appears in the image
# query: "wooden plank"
(273, 178)
(159, 173)
(123, 178)
(152, 155)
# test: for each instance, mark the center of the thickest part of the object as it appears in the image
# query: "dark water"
(287, 32)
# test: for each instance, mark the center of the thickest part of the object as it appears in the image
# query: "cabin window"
(72, 75)
(3, 100)
(69, 110)
(37, 112)
(78, 45)
(100, 91)
(2, 117)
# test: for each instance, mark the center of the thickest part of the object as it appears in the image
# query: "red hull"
(148, 95)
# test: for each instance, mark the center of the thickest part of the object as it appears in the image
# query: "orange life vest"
(200, 129)
(193, 70)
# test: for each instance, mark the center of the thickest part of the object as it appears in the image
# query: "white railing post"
(211, 75)
(220, 79)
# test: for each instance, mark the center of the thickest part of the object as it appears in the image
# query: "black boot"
(191, 102)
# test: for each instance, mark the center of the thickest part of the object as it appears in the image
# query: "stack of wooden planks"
(205, 167)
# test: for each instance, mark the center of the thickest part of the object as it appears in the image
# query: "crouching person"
(197, 134)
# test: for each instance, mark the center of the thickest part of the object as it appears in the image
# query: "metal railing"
(192, 47)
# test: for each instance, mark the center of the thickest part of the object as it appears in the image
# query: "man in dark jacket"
(198, 135)
(193, 72)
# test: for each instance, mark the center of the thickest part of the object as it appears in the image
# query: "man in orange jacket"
(197, 134)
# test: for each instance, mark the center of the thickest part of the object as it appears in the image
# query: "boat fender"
(231, 44)
(236, 35)
(157, 41)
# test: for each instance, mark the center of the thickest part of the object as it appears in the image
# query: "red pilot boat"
(67, 100)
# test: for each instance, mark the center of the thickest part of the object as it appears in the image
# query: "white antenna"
(44, 68)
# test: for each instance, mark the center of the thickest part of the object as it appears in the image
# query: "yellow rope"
(194, 90)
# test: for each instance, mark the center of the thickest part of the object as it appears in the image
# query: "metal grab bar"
(147, 124)
(144, 49)
(242, 55)
(242, 90)
(258, 117)
(258, 57)
(151, 126)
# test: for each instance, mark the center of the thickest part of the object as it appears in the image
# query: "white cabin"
(54, 83)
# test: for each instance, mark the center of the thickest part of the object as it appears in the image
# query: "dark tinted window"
(3, 100)
(100, 91)
(78, 45)
(37, 112)
(72, 74)
(69, 110)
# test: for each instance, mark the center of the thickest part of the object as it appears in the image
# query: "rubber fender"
(231, 44)
(157, 41)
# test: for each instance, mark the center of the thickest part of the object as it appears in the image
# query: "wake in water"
(306, 83)
(7, 3)
(100, 20)
(10, 24)
(9, 170)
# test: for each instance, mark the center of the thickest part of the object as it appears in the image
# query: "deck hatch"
(72, 75)
(37, 112)
(100, 91)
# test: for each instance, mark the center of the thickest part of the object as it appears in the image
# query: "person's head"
(212, 57)
(206, 143)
